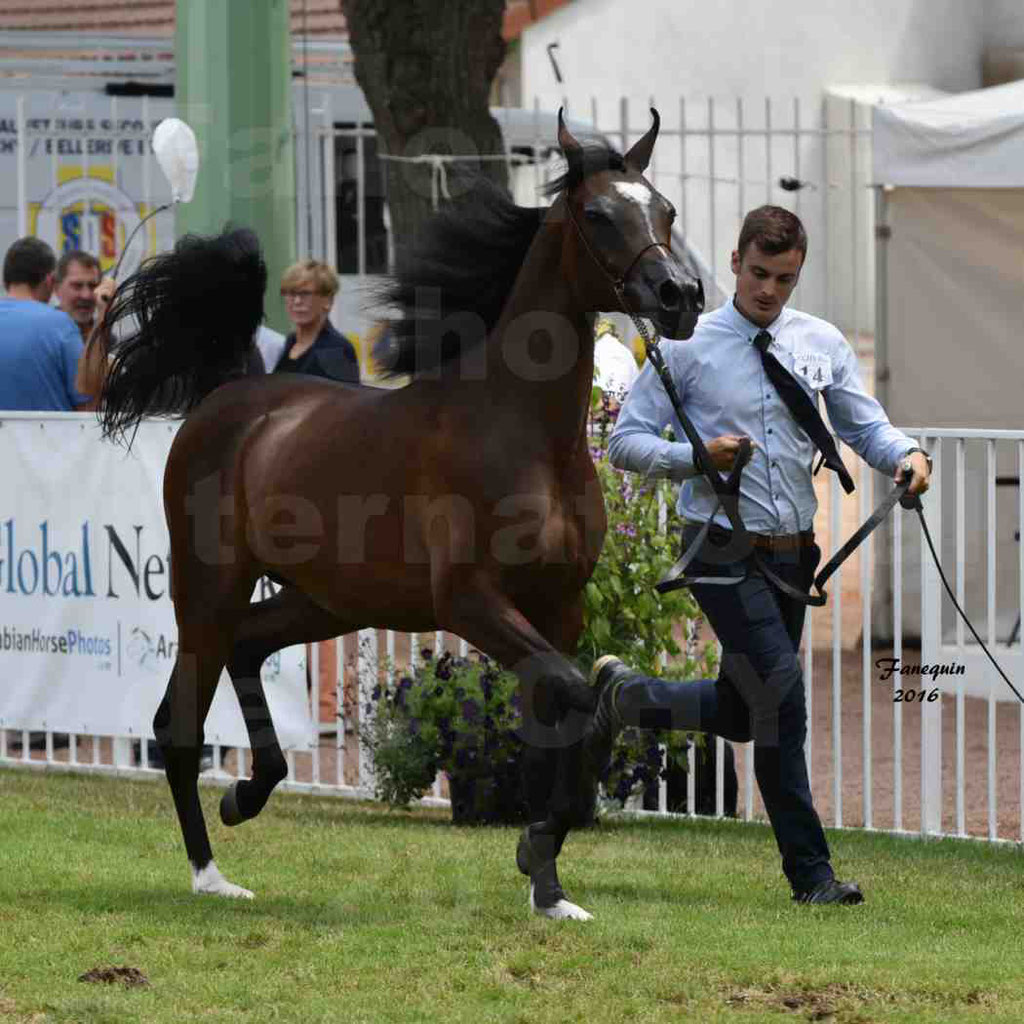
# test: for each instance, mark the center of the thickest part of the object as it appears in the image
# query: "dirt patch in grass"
(843, 1004)
(821, 1004)
(130, 977)
(9, 1012)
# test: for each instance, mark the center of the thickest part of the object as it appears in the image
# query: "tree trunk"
(426, 68)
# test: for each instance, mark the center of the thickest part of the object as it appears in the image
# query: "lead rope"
(728, 500)
(676, 577)
(727, 492)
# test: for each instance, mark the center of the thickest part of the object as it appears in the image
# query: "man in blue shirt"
(721, 376)
(39, 346)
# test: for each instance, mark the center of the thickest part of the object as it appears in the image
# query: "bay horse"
(465, 501)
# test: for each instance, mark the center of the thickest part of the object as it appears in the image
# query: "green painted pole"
(233, 86)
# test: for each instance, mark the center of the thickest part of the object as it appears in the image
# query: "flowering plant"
(450, 714)
(624, 615)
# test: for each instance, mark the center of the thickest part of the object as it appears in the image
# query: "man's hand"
(103, 293)
(921, 480)
(723, 450)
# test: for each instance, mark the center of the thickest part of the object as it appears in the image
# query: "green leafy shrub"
(450, 714)
(626, 617)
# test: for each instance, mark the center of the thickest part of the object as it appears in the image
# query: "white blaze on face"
(640, 195)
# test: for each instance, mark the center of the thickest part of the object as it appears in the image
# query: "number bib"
(814, 367)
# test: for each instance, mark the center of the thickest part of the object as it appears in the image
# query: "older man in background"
(78, 274)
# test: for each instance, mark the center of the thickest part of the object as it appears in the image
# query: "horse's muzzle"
(670, 297)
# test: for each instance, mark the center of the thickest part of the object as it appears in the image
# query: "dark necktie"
(803, 410)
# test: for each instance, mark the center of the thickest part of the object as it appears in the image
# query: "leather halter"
(617, 283)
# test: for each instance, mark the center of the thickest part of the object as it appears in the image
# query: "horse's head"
(622, 233)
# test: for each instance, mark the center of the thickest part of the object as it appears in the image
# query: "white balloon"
(174, 144)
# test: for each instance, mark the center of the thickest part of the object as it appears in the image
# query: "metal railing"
(964, 774)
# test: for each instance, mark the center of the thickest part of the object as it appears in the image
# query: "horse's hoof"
(229, 811)
(560, 910)
(523, 852)
(208, 881)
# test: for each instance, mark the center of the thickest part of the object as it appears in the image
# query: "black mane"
(465, 267)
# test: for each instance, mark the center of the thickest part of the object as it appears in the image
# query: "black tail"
(182, 325)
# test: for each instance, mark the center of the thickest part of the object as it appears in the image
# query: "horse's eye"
(671, 214)
(595, 215)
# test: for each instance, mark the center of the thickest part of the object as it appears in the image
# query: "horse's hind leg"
(178, 727)
(285, 619)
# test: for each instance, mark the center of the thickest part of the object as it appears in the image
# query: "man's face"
(75, 294)
(764, 283)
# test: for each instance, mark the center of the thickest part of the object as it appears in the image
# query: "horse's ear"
(571, 149)
(639, 155)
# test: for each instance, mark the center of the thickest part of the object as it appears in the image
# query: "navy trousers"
(758, 695)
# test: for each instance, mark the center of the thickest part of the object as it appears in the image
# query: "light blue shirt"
(724, 390)
(39, 352)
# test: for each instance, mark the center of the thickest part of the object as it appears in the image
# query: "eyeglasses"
(299, 296)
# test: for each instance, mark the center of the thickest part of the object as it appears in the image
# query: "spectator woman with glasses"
(314, 347)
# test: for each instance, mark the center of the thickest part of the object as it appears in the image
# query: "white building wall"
(667, 48)
(739, 54)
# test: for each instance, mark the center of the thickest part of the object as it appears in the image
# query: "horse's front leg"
(557, 706)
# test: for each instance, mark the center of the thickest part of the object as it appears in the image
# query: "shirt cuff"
(681, 462)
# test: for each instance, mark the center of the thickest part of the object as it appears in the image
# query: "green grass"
(367, 915)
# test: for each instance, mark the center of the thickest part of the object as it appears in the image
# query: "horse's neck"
(551, 383)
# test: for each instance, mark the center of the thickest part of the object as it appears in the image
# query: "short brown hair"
(774, 229)
(28, 261)
(79, 256)
(322, 277)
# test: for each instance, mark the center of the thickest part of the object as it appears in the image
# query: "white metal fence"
(947, 765)
(81, 174)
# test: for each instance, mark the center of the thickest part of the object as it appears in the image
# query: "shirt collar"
(745, 328)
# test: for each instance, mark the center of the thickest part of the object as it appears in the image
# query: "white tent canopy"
(951, 291)
(965, 140)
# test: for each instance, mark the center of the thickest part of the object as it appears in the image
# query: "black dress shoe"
(606, 675)
(832, 891)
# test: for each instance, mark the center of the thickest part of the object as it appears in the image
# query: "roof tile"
(145, 17)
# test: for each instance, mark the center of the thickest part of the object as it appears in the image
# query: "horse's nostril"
(669, 295)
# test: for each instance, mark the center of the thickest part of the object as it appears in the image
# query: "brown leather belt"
(768, 543)
(779, 542)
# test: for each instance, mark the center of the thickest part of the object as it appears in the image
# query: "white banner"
(87, 628)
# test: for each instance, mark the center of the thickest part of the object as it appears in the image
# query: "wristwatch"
(928, 458)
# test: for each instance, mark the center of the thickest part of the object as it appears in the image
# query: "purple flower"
(470, 710)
